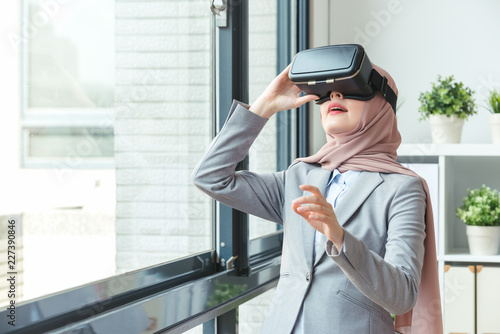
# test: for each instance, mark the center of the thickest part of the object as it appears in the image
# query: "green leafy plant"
(494, 102)
(447, 97)
(481, 207)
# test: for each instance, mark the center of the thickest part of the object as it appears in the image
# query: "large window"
(125, 85)
(138, 246)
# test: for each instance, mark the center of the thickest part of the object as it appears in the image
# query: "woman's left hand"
(316, 210)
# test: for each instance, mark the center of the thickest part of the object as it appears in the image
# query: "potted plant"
(447, 105)
(481, 213)
(494, 108)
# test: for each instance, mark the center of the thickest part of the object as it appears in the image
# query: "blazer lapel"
(319, 178)
(357, 194)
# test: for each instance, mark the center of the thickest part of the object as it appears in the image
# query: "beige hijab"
(372, 147)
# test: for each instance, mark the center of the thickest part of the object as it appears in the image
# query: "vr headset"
(343, 68)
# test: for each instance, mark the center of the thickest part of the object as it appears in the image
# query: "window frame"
(258, 263)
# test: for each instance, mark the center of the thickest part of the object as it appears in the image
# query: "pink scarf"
(372, 147)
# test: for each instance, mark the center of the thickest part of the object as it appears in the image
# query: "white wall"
(417, 40)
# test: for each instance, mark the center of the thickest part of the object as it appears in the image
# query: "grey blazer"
(352, 290)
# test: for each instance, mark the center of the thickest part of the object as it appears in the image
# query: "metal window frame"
(293, 126)
(303, 142)
(56, 311)
(284, 119)
(109, 300)
(232, 70)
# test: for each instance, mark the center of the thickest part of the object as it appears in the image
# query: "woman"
(354, 219)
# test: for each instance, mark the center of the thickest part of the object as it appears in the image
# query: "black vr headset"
(343, 68)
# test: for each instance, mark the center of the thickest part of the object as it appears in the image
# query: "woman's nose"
(338, 95)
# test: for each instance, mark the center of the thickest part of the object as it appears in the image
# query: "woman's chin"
(337, 129)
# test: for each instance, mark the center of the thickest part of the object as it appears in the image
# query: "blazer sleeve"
(392, 280)
(257, 194)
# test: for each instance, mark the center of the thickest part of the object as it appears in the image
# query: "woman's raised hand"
(281, 94)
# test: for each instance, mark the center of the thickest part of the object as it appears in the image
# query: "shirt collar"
(346, 178)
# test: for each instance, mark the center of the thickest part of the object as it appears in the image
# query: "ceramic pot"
(495, 128)
(446, 130)
(483, 240)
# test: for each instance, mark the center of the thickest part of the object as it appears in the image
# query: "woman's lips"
(336, 108)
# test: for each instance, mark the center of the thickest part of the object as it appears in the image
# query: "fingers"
(312, 189)
(311, 214)
(310, 200)
(317, 196)
(280, 94)
(295, 208)
(318, 221)
(312, 211)
(284, 74)
(286, 70)
(306, 98)
(313, 204)
(319, 213)
(312, 208)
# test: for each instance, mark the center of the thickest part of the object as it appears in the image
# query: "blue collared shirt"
(337, 187)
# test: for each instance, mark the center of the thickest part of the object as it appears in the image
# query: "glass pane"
(81, 239)
(70, 54)
(253, 312)
(262, 70)
(162, 127)
(71, 142)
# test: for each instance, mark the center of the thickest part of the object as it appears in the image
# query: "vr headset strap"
(380, 83)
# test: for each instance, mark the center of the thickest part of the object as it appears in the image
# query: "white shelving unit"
(460, 166)
(444, 150)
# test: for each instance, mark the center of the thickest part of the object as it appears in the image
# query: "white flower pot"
(483, 240)
(495, 128)
(446, 130)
